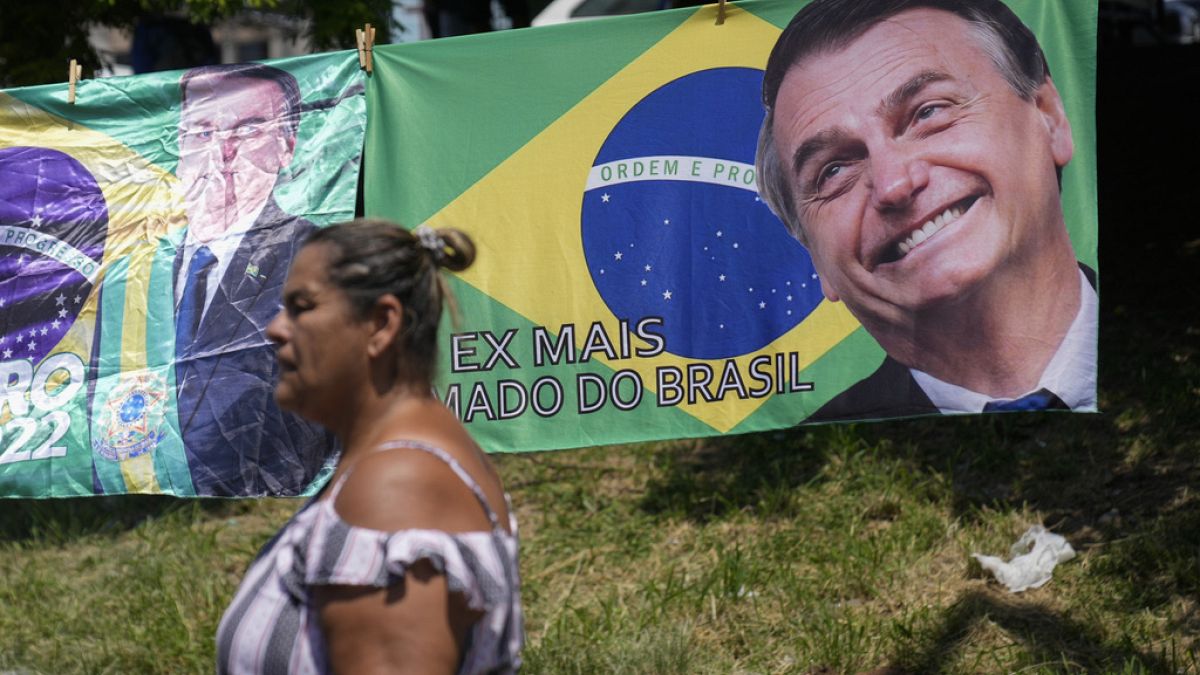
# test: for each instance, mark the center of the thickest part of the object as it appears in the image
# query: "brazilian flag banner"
(634, 280)
(146, 230)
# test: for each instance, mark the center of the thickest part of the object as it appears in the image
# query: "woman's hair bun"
(458, 251)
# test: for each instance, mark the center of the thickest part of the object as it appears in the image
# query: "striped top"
(272, 624)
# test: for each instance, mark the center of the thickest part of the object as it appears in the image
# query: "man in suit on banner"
(237, 132)
(915, 147)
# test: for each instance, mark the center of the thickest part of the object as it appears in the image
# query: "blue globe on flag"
(53, 224)
(673, 227)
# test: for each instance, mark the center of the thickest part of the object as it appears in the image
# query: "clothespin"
(720, 12)
(365, 37)
(74, 74)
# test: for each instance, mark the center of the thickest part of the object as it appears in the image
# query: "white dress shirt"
(1070, 375)
(224, 248)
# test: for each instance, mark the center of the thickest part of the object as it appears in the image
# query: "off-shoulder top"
(272, 624)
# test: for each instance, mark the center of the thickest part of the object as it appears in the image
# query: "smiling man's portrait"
(915, 148)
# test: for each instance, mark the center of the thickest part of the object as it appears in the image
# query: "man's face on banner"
(233, 142)
(917, 170)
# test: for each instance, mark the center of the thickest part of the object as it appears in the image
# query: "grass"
(835, 549)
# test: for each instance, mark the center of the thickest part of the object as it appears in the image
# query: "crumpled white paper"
(1033, 559)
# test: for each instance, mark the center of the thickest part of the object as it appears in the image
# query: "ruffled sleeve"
(336, 553)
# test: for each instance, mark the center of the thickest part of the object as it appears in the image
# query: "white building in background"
(252, 36)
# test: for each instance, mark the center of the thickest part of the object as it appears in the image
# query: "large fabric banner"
(145, 233)
(912, 232)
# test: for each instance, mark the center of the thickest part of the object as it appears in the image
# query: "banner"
(632, 283)
(145, 234)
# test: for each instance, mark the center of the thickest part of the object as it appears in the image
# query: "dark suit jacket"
(237, 440)
(891, 391)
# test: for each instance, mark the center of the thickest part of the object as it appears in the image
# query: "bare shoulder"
(407, 488)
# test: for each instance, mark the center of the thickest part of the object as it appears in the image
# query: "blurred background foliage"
(38, 39)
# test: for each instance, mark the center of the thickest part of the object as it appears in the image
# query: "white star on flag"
(32, 345)
(8, 353)
(44, 330)
(762, 305)
(37, 220)
(60, 299)
(62, 313)
(648, 268)
(55, 323)
(604, 197)
(666, 295)
(643, 282)
(721, 278)
(618, 255)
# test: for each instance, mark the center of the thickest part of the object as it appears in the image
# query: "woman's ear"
(387, 320)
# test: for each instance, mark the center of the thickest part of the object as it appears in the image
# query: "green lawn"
(819, 550)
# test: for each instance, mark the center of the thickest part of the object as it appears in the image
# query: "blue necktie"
(191, 303)
(1042, 399)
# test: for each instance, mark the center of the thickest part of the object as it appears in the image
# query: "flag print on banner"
(103, 204)
(631, 284)
(73, 198)
(53, 220)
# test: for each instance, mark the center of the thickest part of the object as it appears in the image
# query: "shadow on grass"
(716, 476)
(1051, 640)
(60, 521)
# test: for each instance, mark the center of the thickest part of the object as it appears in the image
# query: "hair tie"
(431, 241)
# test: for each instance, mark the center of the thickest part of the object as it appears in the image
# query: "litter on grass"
(1032, 559)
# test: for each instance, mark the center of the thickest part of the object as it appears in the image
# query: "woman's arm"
(412, 627)
(415, 625)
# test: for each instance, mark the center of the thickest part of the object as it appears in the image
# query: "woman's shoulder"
(412, 483)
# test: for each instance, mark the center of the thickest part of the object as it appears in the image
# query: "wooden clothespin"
(720, 12)
(365, 37)
(74, 74)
